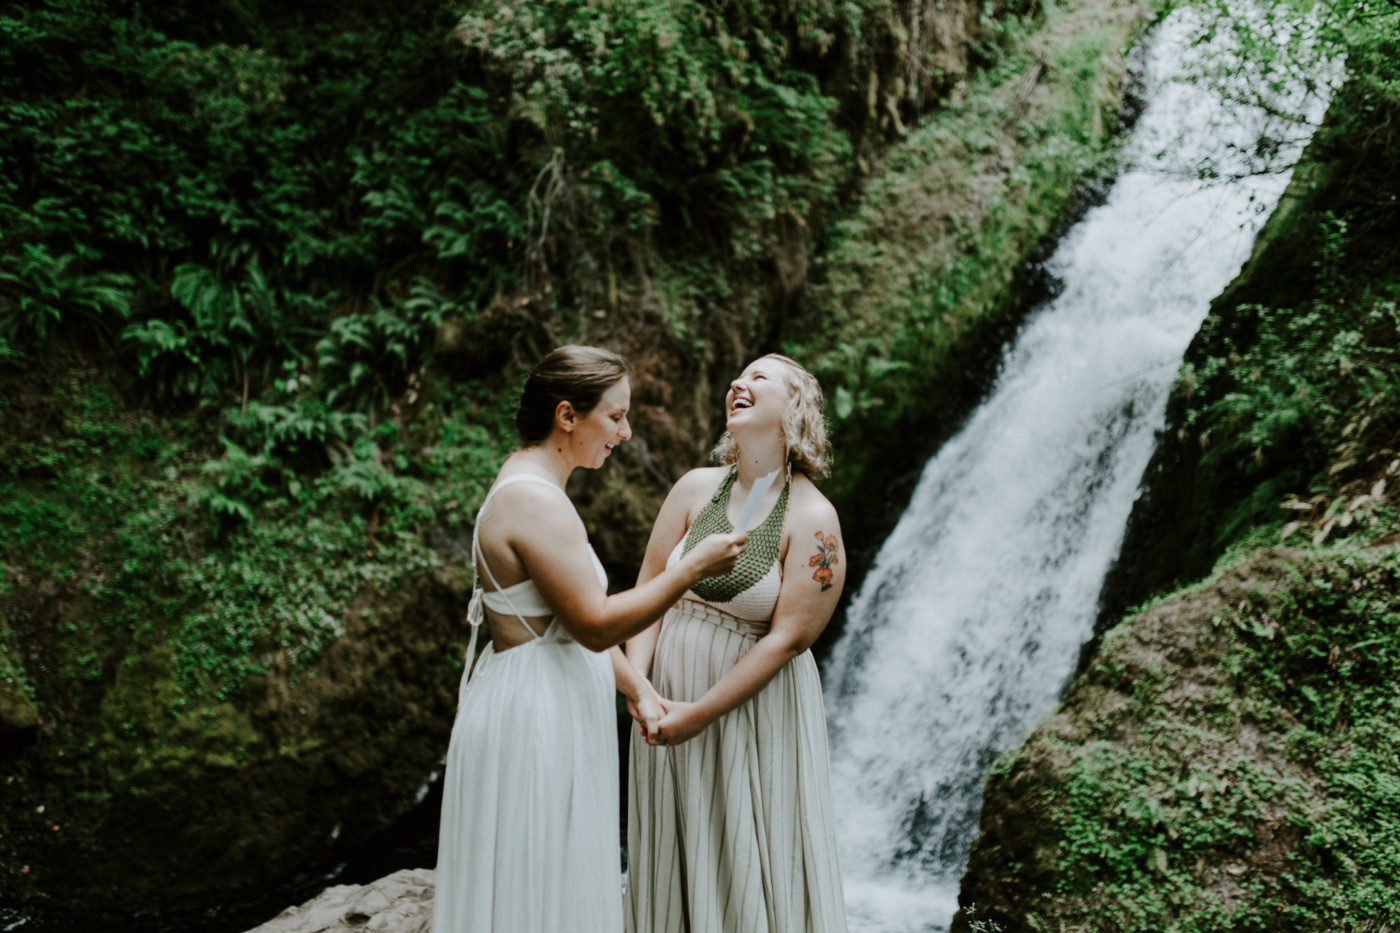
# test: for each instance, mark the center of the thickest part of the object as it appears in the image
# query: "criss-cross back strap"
(476, 609)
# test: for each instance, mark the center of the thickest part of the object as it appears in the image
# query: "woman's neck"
(550, 459)
(758, 458)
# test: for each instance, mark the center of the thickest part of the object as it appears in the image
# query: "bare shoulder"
(809, 510)
(532, 492)
(703, 479)
(697, 486)
(535, 507)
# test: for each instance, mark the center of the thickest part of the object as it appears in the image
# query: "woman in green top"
(730, 818)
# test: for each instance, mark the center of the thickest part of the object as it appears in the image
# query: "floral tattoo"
(824, 559)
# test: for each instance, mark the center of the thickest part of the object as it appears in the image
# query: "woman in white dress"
(731, 825)
(529, 833)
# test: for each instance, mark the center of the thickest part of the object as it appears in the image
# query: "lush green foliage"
(266, 219)
(1188, 826)
(1313, 387)
(251, 196)
(671, 114)
(111, 509)
(241, 199)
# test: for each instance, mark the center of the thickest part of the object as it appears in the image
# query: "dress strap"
(476, 609)
(722, 490)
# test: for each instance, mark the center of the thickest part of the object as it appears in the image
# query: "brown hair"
(574, 374)
(804, 425)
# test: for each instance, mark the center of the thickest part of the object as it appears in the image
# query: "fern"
(240, 477)
(366, 358)
(38, 292)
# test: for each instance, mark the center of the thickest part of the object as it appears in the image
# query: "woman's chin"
(746, 426)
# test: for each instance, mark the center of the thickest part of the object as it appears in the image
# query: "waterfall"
(970, 621)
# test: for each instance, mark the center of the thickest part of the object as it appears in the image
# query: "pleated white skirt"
(733, 830)
(529, 835)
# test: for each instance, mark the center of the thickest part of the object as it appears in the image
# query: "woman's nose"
(626, 432)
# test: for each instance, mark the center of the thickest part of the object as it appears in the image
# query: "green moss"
(178, 654)
(303, 760)
(17, 712)
(1226, 765)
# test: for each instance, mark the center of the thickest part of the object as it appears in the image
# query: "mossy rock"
(296, 770)
(18, 716)
(1221, 766)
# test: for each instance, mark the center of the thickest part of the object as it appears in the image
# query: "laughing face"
(759, 397)
(602, 429)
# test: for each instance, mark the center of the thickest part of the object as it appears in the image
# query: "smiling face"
(596, 434)
(775, 393)
(759, 397)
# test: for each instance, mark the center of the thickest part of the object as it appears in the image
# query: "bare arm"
(672, 522)
(553, 546)
(643, 702)
(814, 573)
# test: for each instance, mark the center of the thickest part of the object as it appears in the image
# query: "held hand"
(647, 711)
(682, 722)
(717, 554)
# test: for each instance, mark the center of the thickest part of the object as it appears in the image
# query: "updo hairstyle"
(804, 425)
(574, 374)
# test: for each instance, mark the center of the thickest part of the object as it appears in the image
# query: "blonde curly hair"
(804, 425)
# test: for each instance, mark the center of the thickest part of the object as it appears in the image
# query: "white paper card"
(756, 493)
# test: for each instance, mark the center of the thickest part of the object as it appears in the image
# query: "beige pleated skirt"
(734, 830)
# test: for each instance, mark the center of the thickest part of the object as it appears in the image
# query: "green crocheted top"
(759, 554)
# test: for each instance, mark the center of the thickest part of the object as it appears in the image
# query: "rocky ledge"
(398, 903)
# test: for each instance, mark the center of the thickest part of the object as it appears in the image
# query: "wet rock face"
(399, 903)
(922, 50)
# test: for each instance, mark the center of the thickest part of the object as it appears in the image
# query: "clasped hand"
(666, 722)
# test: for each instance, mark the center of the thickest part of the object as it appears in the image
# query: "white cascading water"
(970, 621)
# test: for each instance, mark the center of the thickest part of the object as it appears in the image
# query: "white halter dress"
(529, 835)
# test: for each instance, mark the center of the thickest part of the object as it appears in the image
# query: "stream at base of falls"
(969, 624)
